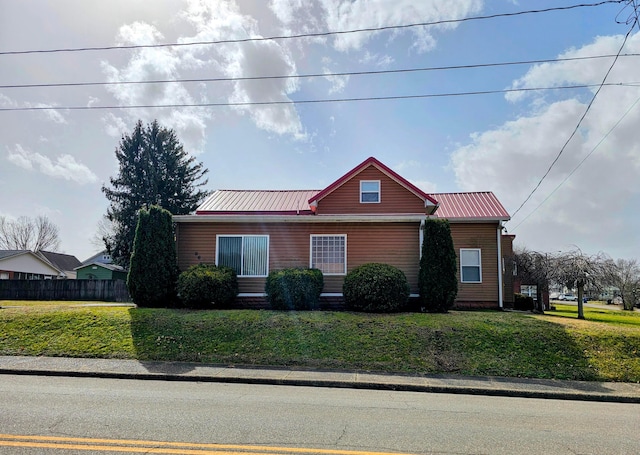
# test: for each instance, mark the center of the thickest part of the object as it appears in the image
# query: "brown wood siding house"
(371, 214)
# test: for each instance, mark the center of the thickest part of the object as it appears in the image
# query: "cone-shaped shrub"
(153, 269)
(438, 280)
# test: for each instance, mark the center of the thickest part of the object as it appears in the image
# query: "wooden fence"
(92, 290)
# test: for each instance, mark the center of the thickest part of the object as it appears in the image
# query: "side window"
(248, 255)
(470, 265)
(369, 191)
(329, 254)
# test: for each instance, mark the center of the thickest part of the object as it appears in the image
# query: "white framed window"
(369, 191)
(248, 255)
(470, 265)
(329, 253)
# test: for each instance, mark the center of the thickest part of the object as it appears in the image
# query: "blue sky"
(55, 162)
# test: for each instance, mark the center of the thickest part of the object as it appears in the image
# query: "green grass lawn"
(556, 345)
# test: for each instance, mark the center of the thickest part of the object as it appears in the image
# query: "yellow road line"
(162, 447)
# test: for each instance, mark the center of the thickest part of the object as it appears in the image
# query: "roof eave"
(479, 219)
(383, 218)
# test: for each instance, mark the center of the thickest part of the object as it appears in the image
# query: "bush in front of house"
(523, 302)
(207, 286)
(437, 280)
(153, 269)
(294, 289)
(376, 288)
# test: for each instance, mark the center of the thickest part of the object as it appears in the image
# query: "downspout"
(500, 290)
(421, 237)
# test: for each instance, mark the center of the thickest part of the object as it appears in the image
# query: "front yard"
(556, 345)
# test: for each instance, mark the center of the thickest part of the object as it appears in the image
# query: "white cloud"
(359, 14)
(586, 71)
(589, 206)
(409, 167)
(341, 15)
(206, 21)
(382, 61)
(50, 114)
(64, 167)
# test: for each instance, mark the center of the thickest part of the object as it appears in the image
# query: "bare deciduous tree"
(537, 269)
(104, 234)
(29, 234)
(577, 269)
(625, 275)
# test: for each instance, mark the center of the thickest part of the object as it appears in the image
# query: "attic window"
(369, 191)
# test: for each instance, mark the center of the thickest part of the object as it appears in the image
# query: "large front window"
(470, 266)
(329, 254)
(248, 255)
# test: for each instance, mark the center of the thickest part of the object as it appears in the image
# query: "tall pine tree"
(154, 169)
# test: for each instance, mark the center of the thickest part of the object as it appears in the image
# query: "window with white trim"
(248, 255)
(470, 265)
(369, 191)
(329, 254)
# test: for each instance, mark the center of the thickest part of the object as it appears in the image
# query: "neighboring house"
(100, 271)
(26, 265)
(103, 257)
(65, 262)
(370, 214)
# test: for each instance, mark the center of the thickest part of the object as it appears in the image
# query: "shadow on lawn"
(159, 340)
(490, 345)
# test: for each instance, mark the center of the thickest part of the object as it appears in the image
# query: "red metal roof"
(470, 205)
(371, 161)
(275, 202)
(477, 205)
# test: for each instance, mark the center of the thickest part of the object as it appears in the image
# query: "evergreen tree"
(438, 281)
(154, 169)
(153, 271)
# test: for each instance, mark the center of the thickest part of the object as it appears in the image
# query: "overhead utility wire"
(586, 111)
(579, 164)
(299, 76)
(633, 20)
(313, 35)
(316, 101)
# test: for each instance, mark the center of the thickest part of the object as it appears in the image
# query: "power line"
(579, 164)
(315, 35)
(312, 75)
(602, 84)
(312, 101)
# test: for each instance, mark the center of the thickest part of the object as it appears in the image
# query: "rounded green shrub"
(523, 302)
(376, 288)
(294, 289)
(206, 286)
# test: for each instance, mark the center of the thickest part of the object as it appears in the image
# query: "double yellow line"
(161, 447)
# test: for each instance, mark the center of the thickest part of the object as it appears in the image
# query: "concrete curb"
(177, 371)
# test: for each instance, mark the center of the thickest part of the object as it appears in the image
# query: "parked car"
(570, 297)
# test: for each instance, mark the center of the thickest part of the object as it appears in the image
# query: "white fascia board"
(299, 218)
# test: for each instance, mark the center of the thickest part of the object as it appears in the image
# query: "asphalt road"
(91, 415)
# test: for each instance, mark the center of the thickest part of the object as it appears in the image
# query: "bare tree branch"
(625, 275)
(29, 234)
